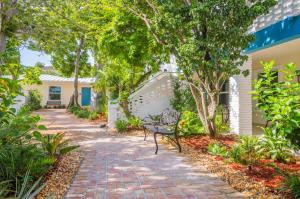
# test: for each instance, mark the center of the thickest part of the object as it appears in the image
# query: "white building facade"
(277, 38)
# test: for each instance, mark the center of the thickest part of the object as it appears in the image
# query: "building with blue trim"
(277, 38)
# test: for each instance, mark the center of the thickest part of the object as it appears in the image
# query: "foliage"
(206, 37)
(9, 90)
(34, 100)
(277, 147)
(249, 151)
(93, 115)
(183, 99)
(135, 122)
(54, 144)
(83, 112)
(190, 124)
(280, 101)
(292, 183)
(17, 152)
(121, 125)
(217, 149)
(28, 190)
(236, 154)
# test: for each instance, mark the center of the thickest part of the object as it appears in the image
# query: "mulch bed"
(60, 177)
(261, 182)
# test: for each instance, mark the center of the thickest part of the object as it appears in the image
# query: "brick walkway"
(126, 167)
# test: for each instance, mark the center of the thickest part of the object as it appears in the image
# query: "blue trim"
(280, 32)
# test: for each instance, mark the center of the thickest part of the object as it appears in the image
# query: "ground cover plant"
(83, 113)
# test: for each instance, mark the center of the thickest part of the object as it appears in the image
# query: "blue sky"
(30, 58)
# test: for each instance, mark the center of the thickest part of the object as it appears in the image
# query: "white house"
(277, 38)
(57, 90)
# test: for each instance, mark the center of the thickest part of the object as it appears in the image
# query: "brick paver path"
(126, 167)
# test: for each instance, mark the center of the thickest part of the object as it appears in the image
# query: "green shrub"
(93, 115)
(74, 109)
(277, 147)
(217, 149)
(249, 149)
(34, 100)
(135, 122)
(54, 144)
(83, 113)
(292, 184)
(121, 125)
(236, 154)
(280, 101)
(190, 124)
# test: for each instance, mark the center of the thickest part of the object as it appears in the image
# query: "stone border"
(61, 176)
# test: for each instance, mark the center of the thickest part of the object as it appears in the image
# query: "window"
(54, 93)
(224, 94)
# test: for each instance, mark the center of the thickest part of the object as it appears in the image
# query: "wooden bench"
(165, 124)
(53, 103)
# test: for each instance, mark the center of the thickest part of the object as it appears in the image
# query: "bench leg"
(156, 143)
(145, 132)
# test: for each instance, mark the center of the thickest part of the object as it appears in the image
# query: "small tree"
(280, 101)
(207, 38)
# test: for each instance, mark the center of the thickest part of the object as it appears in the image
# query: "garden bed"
(263, 181)
(60, 177)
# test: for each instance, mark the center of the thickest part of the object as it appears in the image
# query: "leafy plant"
(292, 183)
(93, 115)
(277, 147)
(280, 101)
(236, 154)
(27, 189)
(34, 100)
(121, 125)
(190, 124)
(217, 149)
(250, 151)
(54, 144)
(135, 122)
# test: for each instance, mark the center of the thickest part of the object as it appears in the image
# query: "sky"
(30, 58)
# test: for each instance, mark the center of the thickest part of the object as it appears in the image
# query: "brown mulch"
(60, 177)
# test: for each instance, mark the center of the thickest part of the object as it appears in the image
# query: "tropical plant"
(135, 122)
(34, 100)
(217, 149)
(190, 124)
(277, 147)
(280, 101)
(93, 115)
(121, 125)
(292, 184)
(236, 154)
(250, 151)
(54, 144)
(28, 190)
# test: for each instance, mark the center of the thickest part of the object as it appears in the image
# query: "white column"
(240, 101)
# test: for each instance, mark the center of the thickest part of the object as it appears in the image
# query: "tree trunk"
(2, 42)
(74, 101)
(207, 111)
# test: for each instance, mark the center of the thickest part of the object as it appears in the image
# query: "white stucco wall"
(154, 97)
(283, 9)
(66, 90)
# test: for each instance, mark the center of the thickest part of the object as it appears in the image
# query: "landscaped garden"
(121, 44)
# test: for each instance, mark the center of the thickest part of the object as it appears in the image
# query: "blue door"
(85, 96)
